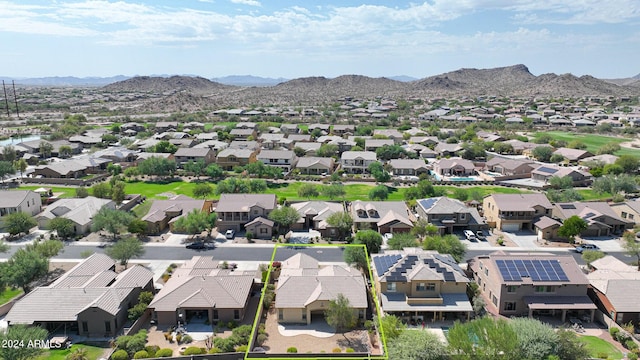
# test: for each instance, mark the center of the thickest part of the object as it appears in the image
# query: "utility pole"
(6, 100)
(15, 98)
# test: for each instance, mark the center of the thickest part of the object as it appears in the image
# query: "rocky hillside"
(197, 92)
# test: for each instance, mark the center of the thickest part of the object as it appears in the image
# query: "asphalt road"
(328, 254)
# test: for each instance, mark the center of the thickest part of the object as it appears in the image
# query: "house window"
(624, 215)
(510, 306)
(304, 314)
(463, 216)
(479, 282)
(255, 212)
(107, 326)
(215, 314)
(236, 314)
(494, 300)
(630, 216)
(85, 326)
(421, 287)
(263, 230)
(430, 287)
(391, 287)
(280, 314)
(542, 289)
(512, 289)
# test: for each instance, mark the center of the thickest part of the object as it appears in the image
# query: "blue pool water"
(462, 179)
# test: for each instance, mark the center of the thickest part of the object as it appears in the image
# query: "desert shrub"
(630, 344)
(168, 337)
(292, 349)
(225, 345)
(349, 350)
(232, 324)
(193, 350)
(187, 339)
(142, 354)
(614, 332)
(336, 350)
(152, 350)
(632, 356)
(622, 337)
(164, 353)
(120, 355)
(215, 350)
(241, 348)
(261, 339)
(262, 329)
(179, 338)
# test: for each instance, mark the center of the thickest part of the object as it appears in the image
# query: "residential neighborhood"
(434, 220)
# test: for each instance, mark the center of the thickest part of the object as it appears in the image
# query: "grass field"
(154, 191)
(65, 192)
(598, 346)
(592, 141)
(9, 294)
(93, 352)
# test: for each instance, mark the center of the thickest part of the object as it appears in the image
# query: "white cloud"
(247, 2)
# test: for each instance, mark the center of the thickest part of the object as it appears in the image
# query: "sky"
(300, 38)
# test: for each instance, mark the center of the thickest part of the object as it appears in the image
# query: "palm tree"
(79, 353)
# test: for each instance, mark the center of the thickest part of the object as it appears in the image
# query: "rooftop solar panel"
(537, 270)
(427, 203)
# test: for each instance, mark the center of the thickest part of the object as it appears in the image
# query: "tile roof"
(243, 202)
(13, 198)
(78, 210)
(520, 202)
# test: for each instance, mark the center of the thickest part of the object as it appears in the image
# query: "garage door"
(511, 227)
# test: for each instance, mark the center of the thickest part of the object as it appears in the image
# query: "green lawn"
(9, 294)
(590, 195)
(487, 190)
(598, 346)
(153, 190)
(592, 141)
(93, 352)
(66, 192)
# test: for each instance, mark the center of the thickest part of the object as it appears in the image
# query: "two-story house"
(450, 215)
(284, 159)
(357, 162)
(532, 284)
(546, 172)
(418, 285)
(230, 157)
(600, 218)
(184, 155)
(12, 201)
(236, 210)
(514, 212)
(382, 216)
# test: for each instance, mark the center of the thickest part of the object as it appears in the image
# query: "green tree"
(46, 249)
(195, 167)
(6, 168)
(631, 247)
(473, 152)
(164, 146)
(536, 339)
(22, 334)
(131, 172)
(388, 152)
(117, 192)
(342, 222)
(45, 149)
(629, 163)
(80, 353)
(340, 314)
(423, 228)
(132, 343)
(576, 144)
(195, 222)
(380, 192)
(614, 184)
(327, 150)
(378, 172)
(113, 221)
(417, 345)
(114, 169)
(334, 191)
(460, 194)
(125, 249)
(355, 256)
(483, 338)
(542, 153)
(4, 248)
(400, 241)
(24, 267)
(18, 223)
(609, 148)
(369, 238)
(157, 166)
(137, 226)
(569, 346)
(590, 256)
(82, 192)
(202, 190)
(65, 151)
(564, 182)
(446, 244)
(572, 227)
(214, 171)
(392, 326)
(284, 216)
(20, 165)
(308, 191)
(101, 190)
(556, 158)
(9, 153)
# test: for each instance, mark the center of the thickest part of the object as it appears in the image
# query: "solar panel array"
(427, 203)
(384, 263)
(537, 270)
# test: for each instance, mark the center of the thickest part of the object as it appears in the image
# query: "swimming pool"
(462, 179)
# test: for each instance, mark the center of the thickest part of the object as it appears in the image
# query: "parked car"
(230, 234)
(585, 247)
(199, 245)
(480, 235)
(470, 235)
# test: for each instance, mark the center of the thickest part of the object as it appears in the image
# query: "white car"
(229, 234)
